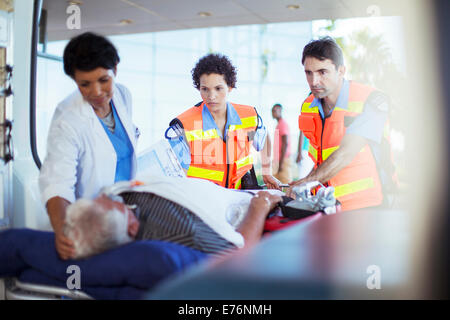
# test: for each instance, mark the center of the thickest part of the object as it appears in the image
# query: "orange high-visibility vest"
(357, 185)
(212, 158)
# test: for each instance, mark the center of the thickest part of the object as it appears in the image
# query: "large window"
(156, 67)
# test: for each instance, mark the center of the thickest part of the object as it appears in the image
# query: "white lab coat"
(80, 157)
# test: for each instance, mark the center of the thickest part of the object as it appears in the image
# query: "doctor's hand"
(64, 246)
(56, 208)
(271, 182)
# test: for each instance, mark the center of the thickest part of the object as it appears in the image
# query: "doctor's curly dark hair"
(214, 63)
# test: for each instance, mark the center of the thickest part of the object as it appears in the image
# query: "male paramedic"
(346, 124)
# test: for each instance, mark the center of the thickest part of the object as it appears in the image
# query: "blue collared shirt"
(369, 124)
(209, 123)
(181, 148)
(342, 100)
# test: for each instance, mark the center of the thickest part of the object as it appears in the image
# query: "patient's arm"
(252, 226)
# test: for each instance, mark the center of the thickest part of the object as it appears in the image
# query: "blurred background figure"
(281, 147)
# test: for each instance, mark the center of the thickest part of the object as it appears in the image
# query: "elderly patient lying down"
(192, 212)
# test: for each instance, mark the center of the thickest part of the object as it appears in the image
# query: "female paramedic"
(91, 140)
(218, 135)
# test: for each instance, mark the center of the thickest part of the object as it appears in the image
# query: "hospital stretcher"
(29, 285)
(31, 269)
(29, 262)
(27, 281)
(33, 285)
(16, 290)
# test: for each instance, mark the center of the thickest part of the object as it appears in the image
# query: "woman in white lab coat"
(91, 141)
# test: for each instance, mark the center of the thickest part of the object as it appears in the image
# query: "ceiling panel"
(186, 10)
(103, 16)
(224, 21)
(281, 6)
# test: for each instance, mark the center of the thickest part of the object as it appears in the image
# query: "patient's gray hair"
(94, 229)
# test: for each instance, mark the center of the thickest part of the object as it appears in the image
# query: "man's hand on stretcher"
(264, 201)
(252, 226)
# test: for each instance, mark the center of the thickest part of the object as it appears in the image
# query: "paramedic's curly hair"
(87, 52)
(214, 63)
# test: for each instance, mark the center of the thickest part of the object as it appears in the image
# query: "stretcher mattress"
(126, 272)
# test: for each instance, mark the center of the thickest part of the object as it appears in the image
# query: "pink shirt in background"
(281, 130)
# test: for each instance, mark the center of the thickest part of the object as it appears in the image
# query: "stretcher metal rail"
(16, 290)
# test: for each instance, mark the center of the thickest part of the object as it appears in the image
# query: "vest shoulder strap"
(244, 110)
(248, 116)
(190, 114)
(359, 91)
(309, 98)
(306, 103)
(177, 123)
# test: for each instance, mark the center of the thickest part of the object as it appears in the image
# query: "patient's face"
(108, 204)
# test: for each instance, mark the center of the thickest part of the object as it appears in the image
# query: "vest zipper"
(228, 170)
(321, 145)
(228, 164)
(321, 140)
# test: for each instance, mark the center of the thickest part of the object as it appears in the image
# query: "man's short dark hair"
(89, 51)
(324, 48)
(214, 63)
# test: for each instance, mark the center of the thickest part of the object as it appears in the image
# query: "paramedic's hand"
(289, 192)
(64, 246)
(271, 182)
